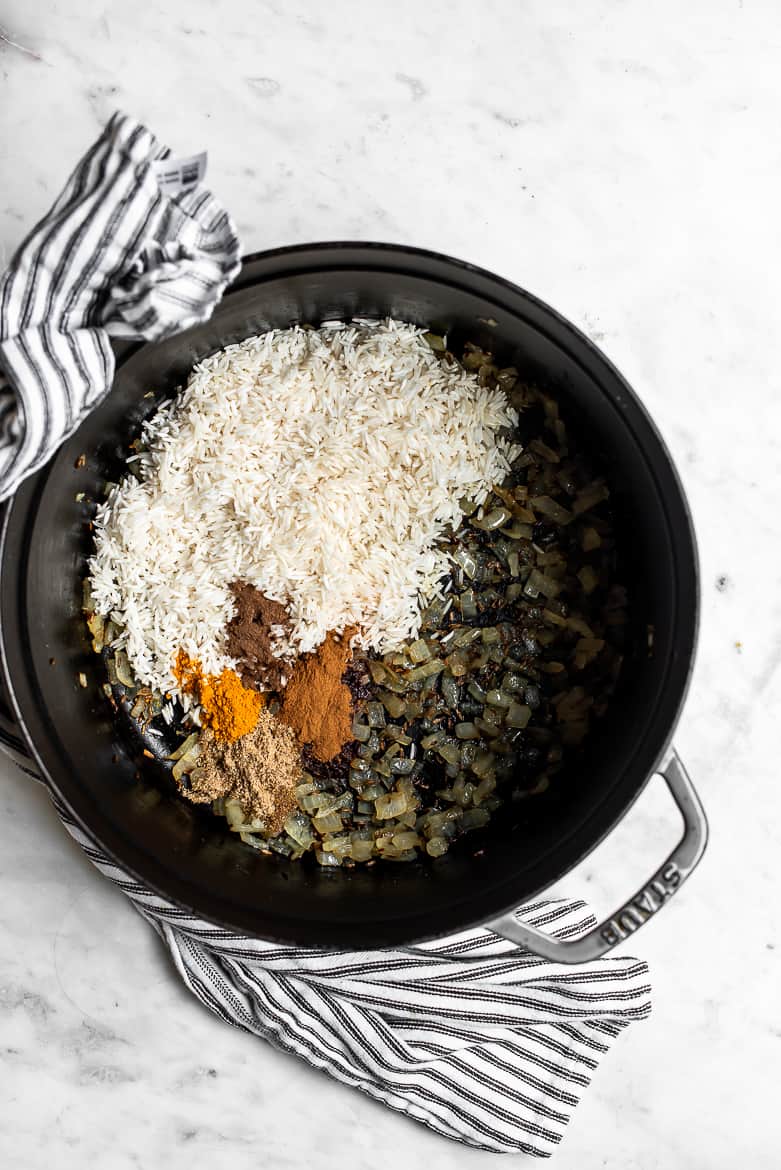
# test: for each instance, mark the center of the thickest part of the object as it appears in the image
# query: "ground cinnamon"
(253, 636)
(317, 704)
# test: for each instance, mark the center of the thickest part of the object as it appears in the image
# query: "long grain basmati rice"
(322, 466)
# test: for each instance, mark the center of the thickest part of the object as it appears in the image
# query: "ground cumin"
(253, 636)
(317, 704)
(228, 708)
(260, 770)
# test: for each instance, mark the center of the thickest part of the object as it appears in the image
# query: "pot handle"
(651, 897)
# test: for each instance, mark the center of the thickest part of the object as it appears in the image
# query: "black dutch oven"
(128, 804)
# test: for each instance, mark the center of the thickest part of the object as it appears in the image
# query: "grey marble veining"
(622, 161)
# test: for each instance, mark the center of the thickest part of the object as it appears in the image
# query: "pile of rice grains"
(369, 586)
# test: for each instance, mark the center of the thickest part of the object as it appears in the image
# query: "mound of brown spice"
(252, 637)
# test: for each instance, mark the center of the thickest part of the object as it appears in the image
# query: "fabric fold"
(494, 1054)
(115, 256)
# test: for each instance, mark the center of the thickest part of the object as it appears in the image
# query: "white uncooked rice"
(320, 466)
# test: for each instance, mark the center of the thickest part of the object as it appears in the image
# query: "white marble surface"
(622, 161)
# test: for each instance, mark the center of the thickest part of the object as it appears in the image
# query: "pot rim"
(278, 262)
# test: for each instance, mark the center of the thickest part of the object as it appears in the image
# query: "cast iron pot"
(128, 803)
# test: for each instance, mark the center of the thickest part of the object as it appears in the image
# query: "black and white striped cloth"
(494, 1052)
(135, 248)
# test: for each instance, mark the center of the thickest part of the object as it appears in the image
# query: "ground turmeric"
(227, 707)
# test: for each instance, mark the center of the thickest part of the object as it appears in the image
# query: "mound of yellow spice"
(228, 708)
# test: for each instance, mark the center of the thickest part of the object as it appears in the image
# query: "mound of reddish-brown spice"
(317, 704)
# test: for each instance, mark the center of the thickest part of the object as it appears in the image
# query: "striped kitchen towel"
(134, 247)
(493, 1052)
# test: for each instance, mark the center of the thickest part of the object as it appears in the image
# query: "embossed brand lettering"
(642, 906)
(645, 902)
(630, 919)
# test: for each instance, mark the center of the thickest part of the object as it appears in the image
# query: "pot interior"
(128, 803)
